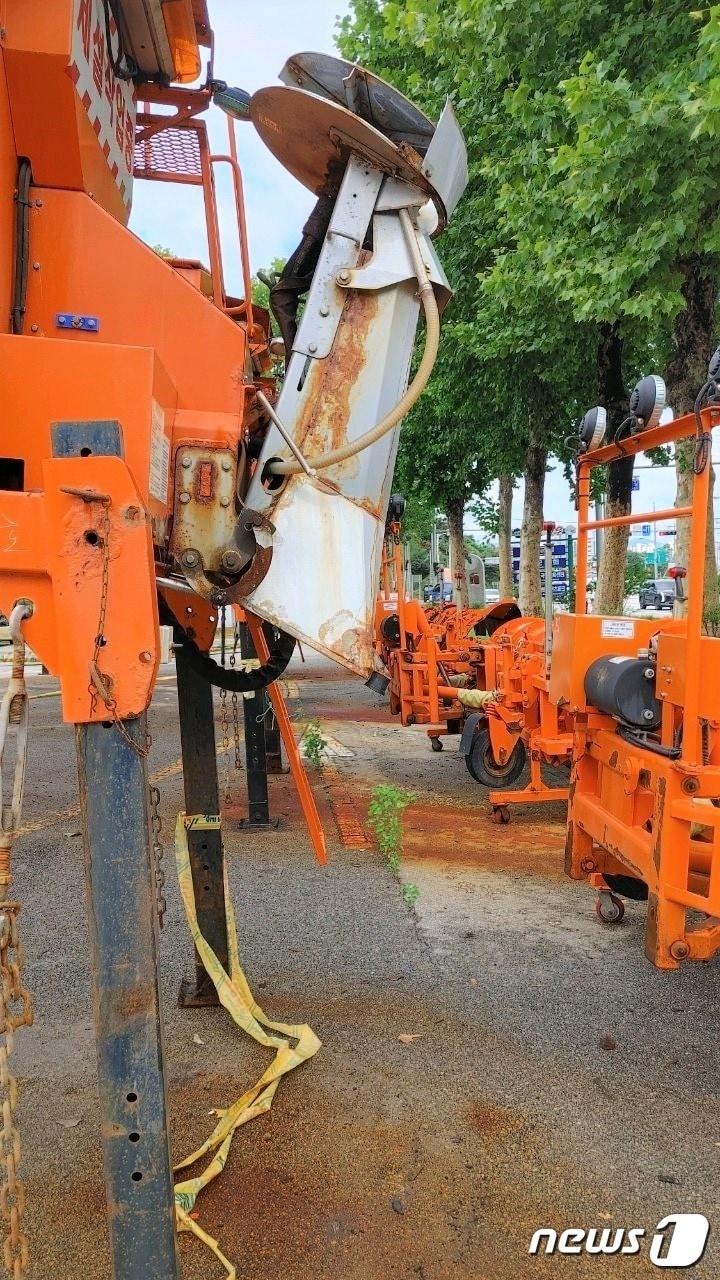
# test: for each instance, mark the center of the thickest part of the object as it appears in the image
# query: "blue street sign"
(646, 531)
(636, 484)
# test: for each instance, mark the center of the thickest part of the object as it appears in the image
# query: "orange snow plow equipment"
(480, 673)
(644, 807)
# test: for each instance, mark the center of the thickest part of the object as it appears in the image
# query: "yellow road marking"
(73, 811)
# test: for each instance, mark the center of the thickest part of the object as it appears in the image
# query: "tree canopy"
(592, 140)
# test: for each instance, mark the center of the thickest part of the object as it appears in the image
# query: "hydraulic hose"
(235, 680)
(418, 384)
(280, 645)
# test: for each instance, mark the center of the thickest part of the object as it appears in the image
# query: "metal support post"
(254, 711)
(207, 859)
(126, 1000)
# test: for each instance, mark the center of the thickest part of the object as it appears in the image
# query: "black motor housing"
(624, 687)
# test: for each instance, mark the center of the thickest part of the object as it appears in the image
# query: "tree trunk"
(530, 597)
(692, 345)
(456, 518)
(507, 484)
(610, 591)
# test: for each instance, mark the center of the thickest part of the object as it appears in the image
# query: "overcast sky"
(252, 44)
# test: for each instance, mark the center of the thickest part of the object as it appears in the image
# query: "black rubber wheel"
(609, 909)
(629, 887)
(436, 744)
(483, 767)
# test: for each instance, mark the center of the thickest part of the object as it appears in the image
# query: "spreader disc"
(306, 133)
(363, 93)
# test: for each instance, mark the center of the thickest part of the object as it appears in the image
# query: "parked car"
(432, 594)
(657, 594)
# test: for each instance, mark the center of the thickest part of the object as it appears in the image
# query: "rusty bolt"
(132, 513)
(187, 462)
(146, 656)
(588, 865)
(184, 498)
(343, 277)
(34, 328)
(190, 558)
(690, 785)
(231, 561)
(38, 204)
(679, 950)
(226, 465)
(36, 266)
(224, 502)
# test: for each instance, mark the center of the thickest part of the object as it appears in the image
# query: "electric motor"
(624, 687)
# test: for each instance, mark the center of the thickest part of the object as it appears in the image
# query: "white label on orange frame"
(159, 455)
(617, 629)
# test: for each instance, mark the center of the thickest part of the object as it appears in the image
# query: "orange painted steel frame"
(164, 364)
(419, 688)
(632, 810)
(515, 666)
(436, 644)
(297, 768)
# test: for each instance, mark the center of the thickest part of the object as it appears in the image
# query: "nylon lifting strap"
(236, 996)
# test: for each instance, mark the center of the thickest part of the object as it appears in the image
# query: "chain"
(15, 1002)
(235, 704)
(99, 683)
(158, 853)
(224, 723)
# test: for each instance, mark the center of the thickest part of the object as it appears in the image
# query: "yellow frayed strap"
(234, 993)
(476, 697)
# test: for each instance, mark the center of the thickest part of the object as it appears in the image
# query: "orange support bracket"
(297, 768)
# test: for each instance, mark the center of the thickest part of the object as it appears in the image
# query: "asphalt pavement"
(547, 1075)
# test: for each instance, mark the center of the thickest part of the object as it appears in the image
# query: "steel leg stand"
(254, 711)
(207, 860)
(123, 938)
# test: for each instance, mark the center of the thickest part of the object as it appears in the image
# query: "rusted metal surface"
(328, 541)
(204, 506)
(322, 425)
(126, 1001)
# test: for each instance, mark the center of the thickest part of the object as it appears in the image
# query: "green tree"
(620, 222)
(509, 387)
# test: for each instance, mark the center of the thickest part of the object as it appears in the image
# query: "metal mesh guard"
(171, 153)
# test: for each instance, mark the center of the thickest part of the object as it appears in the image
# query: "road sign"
(636, 484)
(646, 531)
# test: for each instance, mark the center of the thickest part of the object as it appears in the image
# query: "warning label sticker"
(617, 629)
(159, 455)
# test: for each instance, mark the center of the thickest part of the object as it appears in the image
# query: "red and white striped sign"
(108, 101)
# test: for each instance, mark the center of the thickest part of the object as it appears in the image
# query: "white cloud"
(251, 47)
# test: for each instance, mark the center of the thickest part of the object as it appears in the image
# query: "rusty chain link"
(224, 721)
(235, 704)
(100, 684)
(15, 1002)
(158, 853)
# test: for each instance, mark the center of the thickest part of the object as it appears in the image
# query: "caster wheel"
(609, 909)
(500, 814)
(436, 744)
